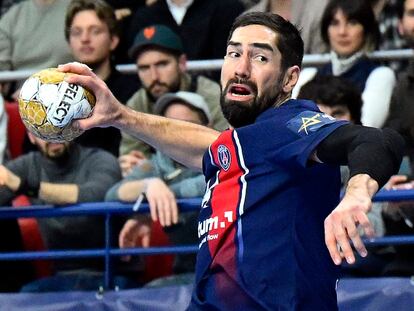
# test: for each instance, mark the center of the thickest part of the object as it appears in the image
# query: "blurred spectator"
(161, 65)
(249, 3)
(350, 29)
(399, 216)
(401, 117)
(31, 36)
(399, 220)
(14, 274)
(334, 96)
(64, 173)
(3, 130)
(202, 25)
(386, 13)
(92, 33)
(306, 15)
(163, 180)
(124, 10)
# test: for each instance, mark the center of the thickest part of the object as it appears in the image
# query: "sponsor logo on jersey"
(224, 157)
(309, 121)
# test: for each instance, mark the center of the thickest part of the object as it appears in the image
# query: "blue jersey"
(261, 225)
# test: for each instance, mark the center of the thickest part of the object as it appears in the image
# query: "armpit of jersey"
(307, 122)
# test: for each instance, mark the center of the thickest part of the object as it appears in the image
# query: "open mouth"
(240, 92)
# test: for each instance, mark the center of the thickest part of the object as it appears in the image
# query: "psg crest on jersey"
(224, 157)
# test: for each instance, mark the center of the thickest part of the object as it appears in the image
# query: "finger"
(75, 67)
(161, 211)
(146, 240)
(341, 236)
(167, 211)
(86, 81)
(366, 225)
(137, 154)
(343, 232)
(153, 208)
(174, 211)
(330, 242)
(83, 124)
(394, 180)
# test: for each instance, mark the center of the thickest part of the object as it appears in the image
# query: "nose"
(154, 73)
(243, 67)
(342, 28)
(85, 36)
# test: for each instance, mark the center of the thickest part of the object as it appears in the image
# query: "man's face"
(251, 77)
(406, 24)
(52, 151)
(160, 72)
(90, 40)
(338, 112)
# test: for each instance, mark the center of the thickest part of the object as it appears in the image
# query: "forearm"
(183, 141)
(374, 152)
(59, 193)
(130, 190)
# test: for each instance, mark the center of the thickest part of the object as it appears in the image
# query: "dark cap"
(192, 99)
(157, 36)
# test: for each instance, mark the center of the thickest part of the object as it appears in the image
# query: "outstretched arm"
(373, 156)
(183, 141)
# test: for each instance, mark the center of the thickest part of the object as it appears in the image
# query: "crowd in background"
(160, 36)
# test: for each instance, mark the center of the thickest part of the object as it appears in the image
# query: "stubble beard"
(169, 89)
(241, 114)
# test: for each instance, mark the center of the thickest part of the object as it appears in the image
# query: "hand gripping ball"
(48, 104)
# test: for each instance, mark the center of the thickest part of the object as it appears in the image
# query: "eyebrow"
(264, 46)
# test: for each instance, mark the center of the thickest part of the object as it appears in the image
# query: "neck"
(283, 99)
(102, 69)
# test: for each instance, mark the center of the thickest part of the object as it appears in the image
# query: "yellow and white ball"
(48, 104)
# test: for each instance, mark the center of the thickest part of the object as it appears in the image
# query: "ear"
(32, 138)
(182, 62)
(114, 42)
(291, 78)
(400, 28)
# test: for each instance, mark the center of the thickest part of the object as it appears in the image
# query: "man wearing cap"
(161, 66)
(163, 180)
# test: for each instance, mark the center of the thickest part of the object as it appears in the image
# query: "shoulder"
(381, 77)
(137, 100)
(14, 13)
(206, 84)
(25, 161)
(383, 72)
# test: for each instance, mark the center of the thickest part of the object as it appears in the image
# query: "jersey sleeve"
(304, 132)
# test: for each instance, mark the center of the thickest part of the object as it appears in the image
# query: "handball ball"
(48, 104)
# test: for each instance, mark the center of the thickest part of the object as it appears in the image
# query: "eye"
(334, 22)
(261, 58)
(353, 22)
(233, 54)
